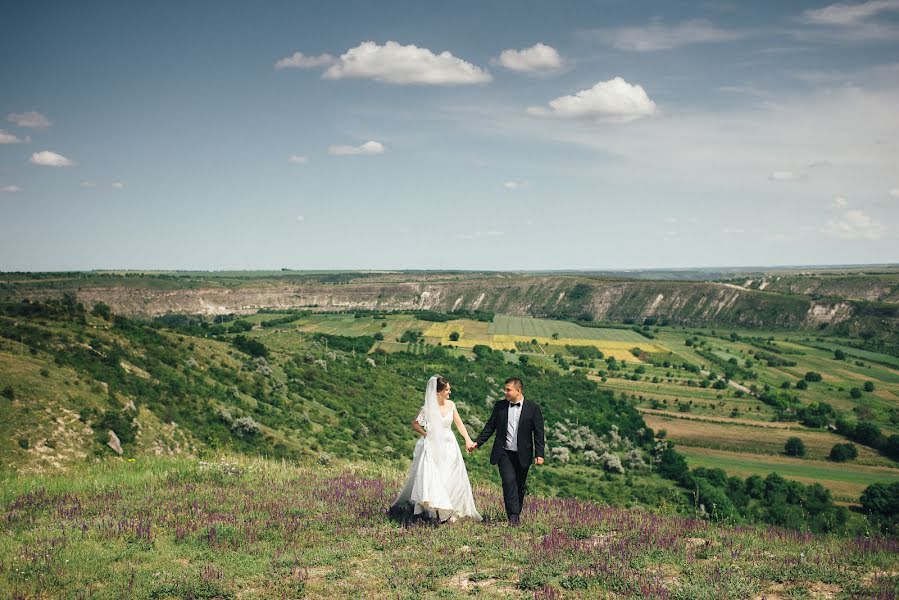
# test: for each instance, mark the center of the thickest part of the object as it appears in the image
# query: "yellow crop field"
(621, 350)
(471, 333)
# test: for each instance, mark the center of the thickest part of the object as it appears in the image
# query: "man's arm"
(489, 428)
(539, 445)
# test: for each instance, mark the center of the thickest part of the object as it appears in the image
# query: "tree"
(843, 452)
(892, 446)
(855, 393)
(794, 447)
(868, 434)
(802, 384)
(812, 376)
(839, 355)
(881, 502)
(869, 386)
(454, 336)
(102, 310)
(250, 346)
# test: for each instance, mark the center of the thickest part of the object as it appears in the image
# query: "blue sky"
(418, 135)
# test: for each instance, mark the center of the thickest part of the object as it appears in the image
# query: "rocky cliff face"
(880, 288)
(689, 303)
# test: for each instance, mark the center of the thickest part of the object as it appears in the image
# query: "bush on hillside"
(843, 452)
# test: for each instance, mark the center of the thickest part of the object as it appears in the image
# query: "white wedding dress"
(438, 480)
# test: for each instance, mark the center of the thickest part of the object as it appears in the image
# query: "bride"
(438, 480)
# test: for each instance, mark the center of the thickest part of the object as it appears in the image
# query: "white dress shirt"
(512, 426)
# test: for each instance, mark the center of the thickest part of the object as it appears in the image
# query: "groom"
(519, 440)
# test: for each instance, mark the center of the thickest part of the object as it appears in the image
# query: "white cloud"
(511, 185)
(849, 14)
(32, 120)
(300, 218)
(88, 184)
(894, 192)
(671, 220)
(298, 60)
(658, 36)
(854, 224)
(117, 185)
(786, 176)
(613, 100)
(393, 63)
(820, 164)
(10, 189)
(10, 138)
(538, 57)
(296, 159)
(852, 22)
(477, 235)
(368, 148)
(46, 158)
(840, 202)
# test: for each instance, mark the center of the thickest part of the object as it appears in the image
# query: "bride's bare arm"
(416, 425)
(461, 426)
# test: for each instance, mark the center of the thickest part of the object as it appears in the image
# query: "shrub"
(869, 386)
(611, 463)
(794, 447)
(250, 346)
(813, 376)
(560, 454)
(868, 434)
(245, 426)
(454, 336)
(855, 393)
(843, 452)
(881, 502)
(102, 310)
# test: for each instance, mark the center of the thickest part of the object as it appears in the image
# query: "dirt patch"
(471, 583)
(668, 575)
(824, 591)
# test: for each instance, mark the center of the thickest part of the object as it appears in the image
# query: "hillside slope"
(601, 299)
(237, 527)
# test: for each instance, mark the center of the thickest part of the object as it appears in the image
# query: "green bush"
(843, 452)
(794, 447)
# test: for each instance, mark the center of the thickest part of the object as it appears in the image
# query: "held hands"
(470, 446)
(539, 460)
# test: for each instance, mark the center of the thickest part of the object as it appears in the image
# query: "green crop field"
(528, 327)
(844, 482)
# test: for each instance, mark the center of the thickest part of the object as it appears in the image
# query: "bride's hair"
(442, 383)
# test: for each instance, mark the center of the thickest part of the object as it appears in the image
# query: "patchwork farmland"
(675, 376)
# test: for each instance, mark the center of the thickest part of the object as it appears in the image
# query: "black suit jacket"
(530, 432)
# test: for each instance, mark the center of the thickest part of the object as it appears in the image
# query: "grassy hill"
(236, 527)
(128, 467)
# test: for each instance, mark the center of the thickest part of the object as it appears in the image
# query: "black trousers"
(514, 478)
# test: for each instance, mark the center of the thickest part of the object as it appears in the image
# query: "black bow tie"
(514, 404)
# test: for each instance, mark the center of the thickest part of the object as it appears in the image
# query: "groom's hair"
(516, 382)
(441, 383)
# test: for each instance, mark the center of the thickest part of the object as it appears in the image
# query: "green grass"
(508, 325)
(235, 527)
(846, 481)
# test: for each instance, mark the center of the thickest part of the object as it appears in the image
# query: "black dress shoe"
(514, 521)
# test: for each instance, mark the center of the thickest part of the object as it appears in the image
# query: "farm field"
(755, 439)
(846, 484)
(699, 419)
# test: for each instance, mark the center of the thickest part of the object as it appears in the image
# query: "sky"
(467, 135)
